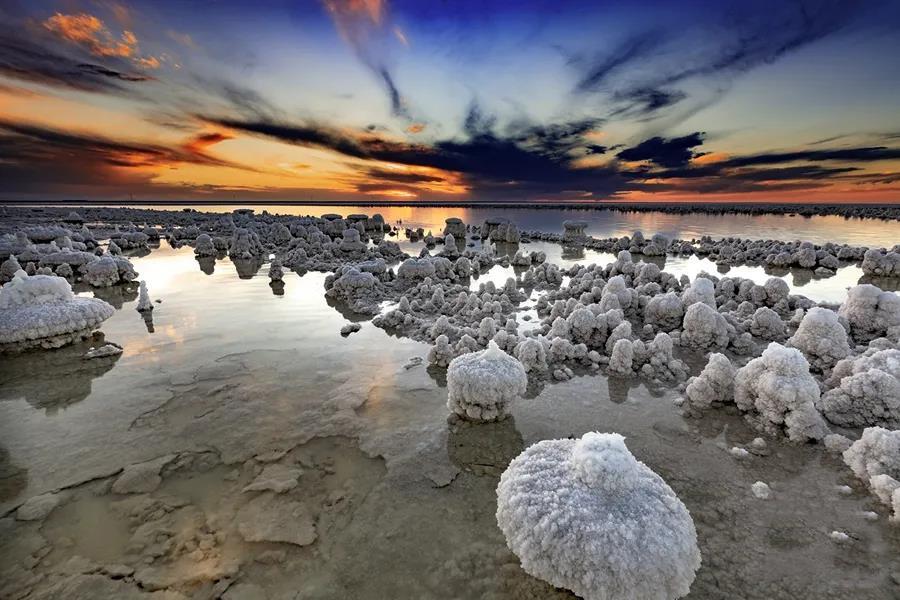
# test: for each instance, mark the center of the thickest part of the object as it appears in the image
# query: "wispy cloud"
(364, 25)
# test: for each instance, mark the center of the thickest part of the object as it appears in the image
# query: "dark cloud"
(674, 152)
(44, 160)
(633, 49)
(869, 154)
(721, 170)
(387, 175)
(24, 59)
(746, 37)
(398, 108)
(523, 161)
(645, 101)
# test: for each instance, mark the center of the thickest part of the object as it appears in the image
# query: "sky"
(450, 100)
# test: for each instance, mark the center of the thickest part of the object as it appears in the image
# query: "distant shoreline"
(885, 211)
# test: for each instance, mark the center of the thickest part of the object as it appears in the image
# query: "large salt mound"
(587, 516)
(704, 327)
(821, 338)
(870, 311)
(42, 311)
(776, 390)
(869, 394)
(481, 385)
(875, 458)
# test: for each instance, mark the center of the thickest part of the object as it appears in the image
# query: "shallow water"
(232, 375)
(613, 223)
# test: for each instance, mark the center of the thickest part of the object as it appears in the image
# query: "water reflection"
(604, 223)
(247, 267)
(572, 252)
(51, 380)
(13, 478)
(207, 264)
(148, 320)
(118, 294)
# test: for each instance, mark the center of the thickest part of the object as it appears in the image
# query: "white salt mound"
(587, 516)
(776, 390)
(869, 394)
(821, 338)
(482, 385)
(41, 310)
(144, 303)
(714, 384)
(875, 458)
(870, 311)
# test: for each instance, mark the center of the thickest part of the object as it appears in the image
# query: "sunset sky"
(450, 100)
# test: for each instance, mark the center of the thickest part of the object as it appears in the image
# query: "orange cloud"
(148, 62)
(391, 193)
(373, 10)
(199, 143)
(416, 128)
(89, 31)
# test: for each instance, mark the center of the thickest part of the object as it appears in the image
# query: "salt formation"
(715, 384)
(455, 227)
(881, 264)
(109, 270)
(665, 311)
(204, 246)
(144, 303)
(355, 288)
(574, 231)
(870, 312)
(587, 516)
(776, 390)
(704, 327)
(875, 458)
(244, 244)
(701, 290)
(761, 490)
(41, 311)
(867, 391)
(821, 338)
(482, 385)
(276, 271)
(9, 268)
(766, 324)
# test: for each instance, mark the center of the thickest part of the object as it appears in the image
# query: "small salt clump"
(482, 385)
(839, 536)
(587, 516)
(144, 303)
(761, 490)
(714, 384)
(276, 271)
